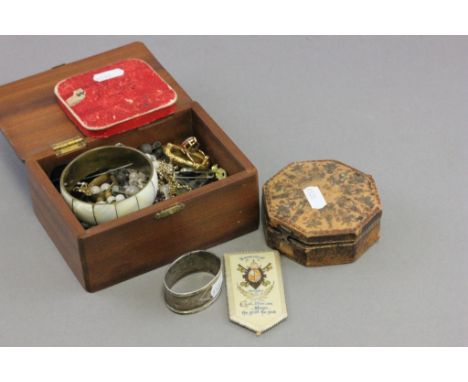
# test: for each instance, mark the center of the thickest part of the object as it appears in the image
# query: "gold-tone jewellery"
(187, 154)
(190, 144)
(167, 176)
(123, 172)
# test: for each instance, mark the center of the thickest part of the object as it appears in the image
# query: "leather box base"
(330, 254)
(321, 212)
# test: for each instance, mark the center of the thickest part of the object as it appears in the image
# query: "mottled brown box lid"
(351, 196)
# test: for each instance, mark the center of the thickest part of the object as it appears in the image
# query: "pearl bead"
(105, 186)
(111, 199)
(131, 190)
(115, 189)
(165, 191)
(146, 148)
(119, 198)
(95, 190)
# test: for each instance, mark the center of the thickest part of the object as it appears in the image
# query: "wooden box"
(103, 255)
(321, 212)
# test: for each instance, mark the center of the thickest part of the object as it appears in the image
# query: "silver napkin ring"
(197, 300)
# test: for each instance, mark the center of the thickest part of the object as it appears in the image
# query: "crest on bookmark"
(255, 289)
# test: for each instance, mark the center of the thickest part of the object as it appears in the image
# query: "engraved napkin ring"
(197, 300)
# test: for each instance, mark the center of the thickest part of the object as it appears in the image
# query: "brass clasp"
(169, 211)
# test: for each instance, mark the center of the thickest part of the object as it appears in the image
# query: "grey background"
(395, 107)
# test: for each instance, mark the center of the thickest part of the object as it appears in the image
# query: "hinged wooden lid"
(30, 117)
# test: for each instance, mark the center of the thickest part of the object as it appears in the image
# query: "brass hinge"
(68, 146)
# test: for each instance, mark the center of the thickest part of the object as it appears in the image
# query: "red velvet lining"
(115, 105)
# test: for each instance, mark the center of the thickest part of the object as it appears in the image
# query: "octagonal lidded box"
(321, 212)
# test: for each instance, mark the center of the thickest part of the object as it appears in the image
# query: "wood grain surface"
(30, 117)
(128, 246)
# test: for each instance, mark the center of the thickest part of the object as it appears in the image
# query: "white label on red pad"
(107, 75)
(314, 197)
